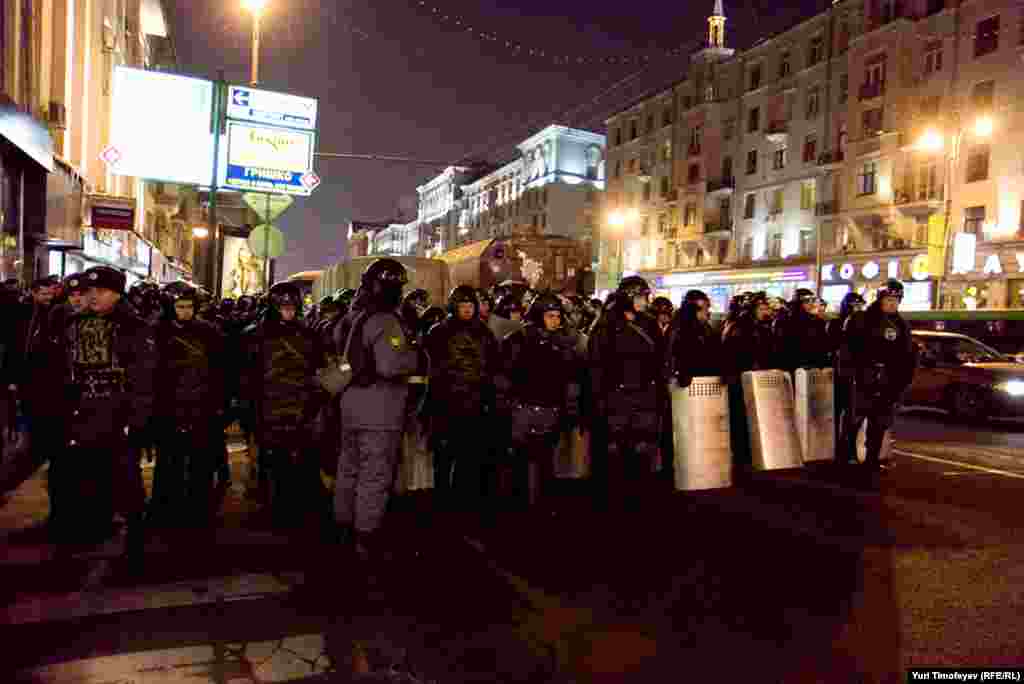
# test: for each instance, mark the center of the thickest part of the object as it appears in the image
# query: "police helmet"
(431, 317)
(850, 300)
(508, 304)
(461, 295)
(386, 271)
(418, 298)
(892, 288)
(485, 296)
(756, 299)
(634, 286)
(284, 294)
(541, 304)
(803, 295)
(662, 305)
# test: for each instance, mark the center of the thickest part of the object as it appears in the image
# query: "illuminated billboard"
(161, 127)
(268, 158)
(242, 273)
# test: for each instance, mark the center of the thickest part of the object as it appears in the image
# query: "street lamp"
(932, 141)
(200, 232)
(619, 219)
(256, 7)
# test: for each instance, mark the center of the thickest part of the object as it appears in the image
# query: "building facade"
(853, 147)
(57, 59)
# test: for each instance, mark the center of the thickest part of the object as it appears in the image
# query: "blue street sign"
(266, 180)
(264, 106)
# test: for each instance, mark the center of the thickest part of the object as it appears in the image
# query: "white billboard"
(242, 273)
(267, 158)
(278, 109)
(161, 126)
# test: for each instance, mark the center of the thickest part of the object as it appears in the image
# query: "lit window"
(867, 179)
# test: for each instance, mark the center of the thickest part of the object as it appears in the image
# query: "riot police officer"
(539, 390)
(373, 406)
(625, 368)
(801, 335)
(190, 410)
(880, 352)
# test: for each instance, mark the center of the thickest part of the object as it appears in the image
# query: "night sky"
(394, 77)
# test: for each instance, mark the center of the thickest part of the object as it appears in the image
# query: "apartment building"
(856, 146)
(56, 65)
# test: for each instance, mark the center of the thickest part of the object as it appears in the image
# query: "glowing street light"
(616, 219)
(984, 126)
(200, 232)
(931, 141)
(256, 7)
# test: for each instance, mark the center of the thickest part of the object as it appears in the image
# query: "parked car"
(965, 377)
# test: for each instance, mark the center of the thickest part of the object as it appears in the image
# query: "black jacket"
(463, 363)
(880, 352)
(694, 350)
(540, 368)
(191, 375)
(803, 341)
(748, 345)
(624, 355)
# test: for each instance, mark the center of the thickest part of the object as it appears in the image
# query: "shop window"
(751, 162)
(750, 205)
(753, 120)
(986, 36)
(974, 220)
(977, 163)
(867, 178)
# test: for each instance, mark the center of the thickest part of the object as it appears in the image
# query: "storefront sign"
(110, 217)
(872, 269)
(992, 265)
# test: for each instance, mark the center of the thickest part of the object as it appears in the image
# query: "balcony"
(829, 208)
(871, 90)
(923, 204)
(722, 186)
(831, 160)
(777, 132)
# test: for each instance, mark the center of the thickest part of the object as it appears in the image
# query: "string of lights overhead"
(458, 22)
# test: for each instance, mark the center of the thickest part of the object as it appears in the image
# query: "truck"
(428, 274)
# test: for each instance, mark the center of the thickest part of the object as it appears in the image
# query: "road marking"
(969, 466)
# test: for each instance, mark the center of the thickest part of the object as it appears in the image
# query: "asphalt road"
(802, 576)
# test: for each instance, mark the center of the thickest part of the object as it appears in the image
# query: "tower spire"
(716, 26)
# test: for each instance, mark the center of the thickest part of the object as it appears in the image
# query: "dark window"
(725, 211)
(664, 185)
(813, 102)
(726, 168)
(933, 57)
(872, 120)
(986, 37)
(810, 149)
(977, 163)
(844, 88)
(755, 77)
(647, 192)
(690, 214)
(749, 205)
(974, 220)
(693, 175)
(618, 137)
(618, 168)
(729, 129)
(815, 53)
(751, 162)
(650, 123)
(843, 41)
(983, 95)
(784, 67)
(632, 130)
(779, 158)
(687, 101)
(866, 179)
(753, 120)
(666, 117)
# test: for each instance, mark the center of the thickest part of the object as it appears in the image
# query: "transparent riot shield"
(774, 443)
(700, 434)
(815, 413)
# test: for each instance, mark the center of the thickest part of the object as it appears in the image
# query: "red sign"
(310, 180)
(113, 218)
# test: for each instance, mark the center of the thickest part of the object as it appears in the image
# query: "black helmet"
(662, 305)
(484, 296)
(541, 304)
(285, 293)
(46, 281)
(498, 292)
(892, 288)
(508, 304)
(418, 298)
(754, 300)
(179, 289)
(385, 271)
(461, 295)
(431, 317)
(803, 295)
(850, 300)
(344, 297)
(634, 286)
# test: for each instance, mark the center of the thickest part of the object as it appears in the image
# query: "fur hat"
(105, 277)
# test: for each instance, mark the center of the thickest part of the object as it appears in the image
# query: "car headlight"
(1015, 388)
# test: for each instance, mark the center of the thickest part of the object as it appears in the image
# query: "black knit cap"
(105, 277)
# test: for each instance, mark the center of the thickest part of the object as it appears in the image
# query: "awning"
(472, 250)
(27, 134)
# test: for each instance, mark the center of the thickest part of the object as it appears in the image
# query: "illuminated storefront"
(866, 274)
(118, 248)
(723, 285)
(984, 275)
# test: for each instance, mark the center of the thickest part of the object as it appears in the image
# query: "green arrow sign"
(268, 207)
(266, 241)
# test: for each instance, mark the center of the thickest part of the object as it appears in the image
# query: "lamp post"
(256, 7)
(933, 141)
(618, 221)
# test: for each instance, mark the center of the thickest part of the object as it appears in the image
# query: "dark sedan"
(965, 377)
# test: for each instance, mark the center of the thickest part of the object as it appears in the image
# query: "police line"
(789, 425)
